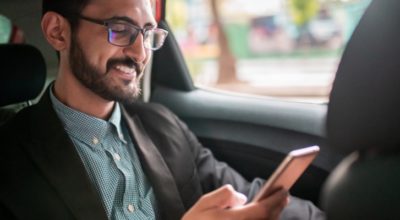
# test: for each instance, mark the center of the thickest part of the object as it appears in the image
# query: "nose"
(137, 51)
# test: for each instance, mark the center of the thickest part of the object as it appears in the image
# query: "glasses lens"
(124, 35)
(154, 38)
(121, 34)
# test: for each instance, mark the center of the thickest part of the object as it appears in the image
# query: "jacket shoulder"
(151, 113)
(18, 124)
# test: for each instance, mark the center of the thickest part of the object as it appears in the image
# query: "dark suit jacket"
(43, 177)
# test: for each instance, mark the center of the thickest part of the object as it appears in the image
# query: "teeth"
(126, 69)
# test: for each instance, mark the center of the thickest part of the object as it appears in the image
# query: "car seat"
(22, 76)
(364, 119)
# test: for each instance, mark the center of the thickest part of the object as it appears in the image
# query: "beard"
(102, 83)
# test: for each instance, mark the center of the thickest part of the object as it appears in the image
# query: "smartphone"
(291, 168)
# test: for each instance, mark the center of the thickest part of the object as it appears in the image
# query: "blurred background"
(277, 48)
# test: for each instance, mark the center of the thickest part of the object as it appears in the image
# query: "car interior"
(254, 134)
(16, 83)
(363, 116)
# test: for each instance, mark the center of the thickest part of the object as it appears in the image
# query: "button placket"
(131, 195)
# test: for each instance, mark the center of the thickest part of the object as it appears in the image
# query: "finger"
(223, 197)
(214, 204)
(277, 201)
(268, 208)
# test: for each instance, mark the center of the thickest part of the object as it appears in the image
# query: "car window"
(281, 48)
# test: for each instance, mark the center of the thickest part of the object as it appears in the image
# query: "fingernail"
(241, 197)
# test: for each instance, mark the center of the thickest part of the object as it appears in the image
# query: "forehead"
(139, 11)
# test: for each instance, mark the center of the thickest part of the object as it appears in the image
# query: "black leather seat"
(364, 118)
(22, 75)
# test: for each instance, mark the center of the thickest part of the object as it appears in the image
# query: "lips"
(125, 72)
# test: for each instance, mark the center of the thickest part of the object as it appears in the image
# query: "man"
(80, 153)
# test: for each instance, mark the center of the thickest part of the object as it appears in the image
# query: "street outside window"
(288, 49)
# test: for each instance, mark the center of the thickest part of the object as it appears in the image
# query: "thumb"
(223, 197)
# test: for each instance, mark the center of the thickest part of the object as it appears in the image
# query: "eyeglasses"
(123, 34)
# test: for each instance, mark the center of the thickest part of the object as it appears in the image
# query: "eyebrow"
(130, 21)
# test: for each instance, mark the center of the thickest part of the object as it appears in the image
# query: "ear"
(56, 30)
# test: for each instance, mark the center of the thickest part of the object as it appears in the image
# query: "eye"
(119, 28)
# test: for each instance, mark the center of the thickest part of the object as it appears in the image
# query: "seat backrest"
(364, 118)
(22, 75)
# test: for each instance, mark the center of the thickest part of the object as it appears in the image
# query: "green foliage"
(177, 13)
(303, 11)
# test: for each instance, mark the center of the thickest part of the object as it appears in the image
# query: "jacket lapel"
(60, 163)
(163, 183)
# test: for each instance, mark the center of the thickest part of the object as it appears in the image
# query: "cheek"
(99, 56)
(148, 57)
(96, 49)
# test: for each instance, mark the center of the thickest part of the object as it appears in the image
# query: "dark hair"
(67, 8)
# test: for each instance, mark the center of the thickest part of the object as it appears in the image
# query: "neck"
(72, 93)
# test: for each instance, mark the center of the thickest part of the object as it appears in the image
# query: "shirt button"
(131, 208)
(95, 140)
(117, 157)
(121, 136)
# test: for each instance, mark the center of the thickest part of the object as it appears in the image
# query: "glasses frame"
(132, 39)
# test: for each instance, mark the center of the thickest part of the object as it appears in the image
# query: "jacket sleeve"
(214, 174)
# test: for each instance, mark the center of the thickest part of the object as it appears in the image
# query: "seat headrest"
(22, 75)
(364, 107)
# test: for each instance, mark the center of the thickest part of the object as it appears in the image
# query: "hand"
(226, 203)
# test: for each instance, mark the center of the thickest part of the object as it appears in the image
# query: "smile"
(126, 70)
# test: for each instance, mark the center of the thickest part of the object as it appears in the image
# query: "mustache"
(124, 62)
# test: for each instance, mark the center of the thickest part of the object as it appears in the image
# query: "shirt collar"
(115, 120)
(86, 128)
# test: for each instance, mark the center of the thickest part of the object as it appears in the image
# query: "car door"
(250, 133)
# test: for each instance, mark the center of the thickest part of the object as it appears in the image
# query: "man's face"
(110, 71)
